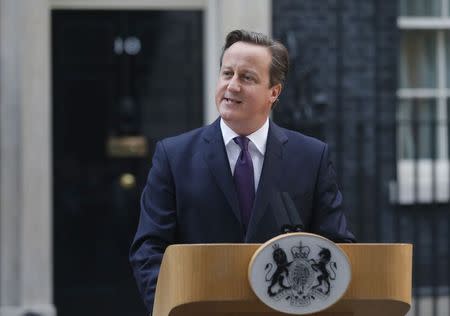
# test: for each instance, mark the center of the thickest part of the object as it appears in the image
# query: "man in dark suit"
(242, 178)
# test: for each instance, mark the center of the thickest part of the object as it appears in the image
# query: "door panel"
(85, 41)
(106, 91)
(164, 77)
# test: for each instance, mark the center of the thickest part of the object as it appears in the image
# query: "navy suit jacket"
(190, 197)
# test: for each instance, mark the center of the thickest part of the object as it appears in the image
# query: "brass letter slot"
(127, 147)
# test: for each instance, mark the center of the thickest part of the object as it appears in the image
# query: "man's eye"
(227, 73)
(248, 78)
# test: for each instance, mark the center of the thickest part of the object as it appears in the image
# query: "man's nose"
(234, 85)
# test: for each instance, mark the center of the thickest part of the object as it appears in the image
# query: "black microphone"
(295, 223)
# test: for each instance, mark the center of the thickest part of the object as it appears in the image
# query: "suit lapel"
(270, 176)
(217, 161)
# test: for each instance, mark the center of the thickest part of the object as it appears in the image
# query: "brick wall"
(344, 55)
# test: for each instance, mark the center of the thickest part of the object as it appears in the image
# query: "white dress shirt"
(256, 147)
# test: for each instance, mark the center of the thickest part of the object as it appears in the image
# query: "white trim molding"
(422, 181)
(129, 5)
(423, 23)
(421, 93)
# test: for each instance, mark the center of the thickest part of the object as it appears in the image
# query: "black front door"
(121, 81)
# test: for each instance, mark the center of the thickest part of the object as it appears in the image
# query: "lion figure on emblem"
(320, 266)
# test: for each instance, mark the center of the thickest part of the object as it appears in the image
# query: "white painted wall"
(25, 159)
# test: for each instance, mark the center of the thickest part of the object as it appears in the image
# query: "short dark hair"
(280, 59)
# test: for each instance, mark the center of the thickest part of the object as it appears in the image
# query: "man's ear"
(275, 92)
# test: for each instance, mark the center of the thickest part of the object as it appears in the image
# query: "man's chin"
(228, 115)
(230, 119)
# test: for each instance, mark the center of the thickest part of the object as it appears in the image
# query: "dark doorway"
(121, 81)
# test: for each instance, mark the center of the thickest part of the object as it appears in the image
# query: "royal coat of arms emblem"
(299, 273)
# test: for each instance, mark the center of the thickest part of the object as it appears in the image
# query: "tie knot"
(242, 141)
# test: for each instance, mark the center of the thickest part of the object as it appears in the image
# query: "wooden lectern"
(200, 280)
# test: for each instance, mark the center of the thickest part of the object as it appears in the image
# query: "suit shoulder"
(298, 139)
(185, 137)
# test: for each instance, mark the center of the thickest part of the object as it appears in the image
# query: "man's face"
(243, 95)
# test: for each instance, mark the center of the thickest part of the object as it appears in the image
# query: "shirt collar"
(258, 138)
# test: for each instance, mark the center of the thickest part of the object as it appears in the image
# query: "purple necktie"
(244, 180)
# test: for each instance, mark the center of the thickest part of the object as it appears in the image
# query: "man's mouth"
(232, 100)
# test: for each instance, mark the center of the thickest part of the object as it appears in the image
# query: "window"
(423, 109)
